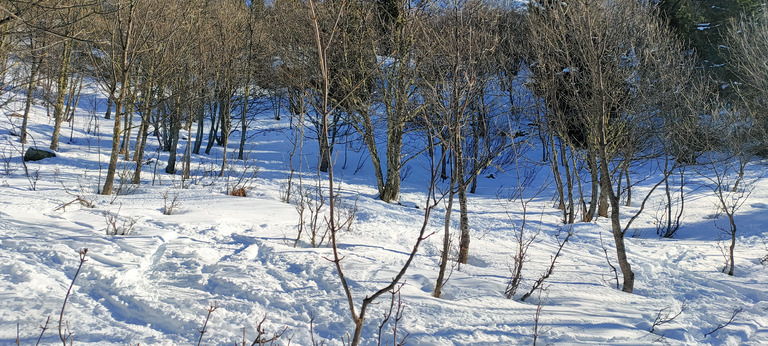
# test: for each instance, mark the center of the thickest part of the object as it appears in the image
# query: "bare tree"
(123, 47)
(71, 28)
(613, 65)
(325, 42)
(455, 84)
(747, 41)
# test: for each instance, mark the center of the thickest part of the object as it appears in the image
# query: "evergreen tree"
(678, 15)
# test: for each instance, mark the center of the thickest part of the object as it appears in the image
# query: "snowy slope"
(153, 285)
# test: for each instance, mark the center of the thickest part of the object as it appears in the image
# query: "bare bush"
(170, 202)
(263, 337)
(118, 225)
(6, 167)
(666, 315)
(238, 182)
(125, 185)
(309, 204)
(80, 196)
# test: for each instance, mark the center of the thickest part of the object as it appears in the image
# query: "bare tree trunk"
(108, 114)
(114, 154)
(215, 119)
(175, 129)
(143, 133)
(629, 187)
(558, 178)
(125, 69)
(226, 124)
(243, 119)
(129, 109)
(570, 212)
(733, 245)
(78, 93)
(593, 172)
(446, 243)
(200, 122)
(61, 91)
(602, 206)
(325, 151)
(34, 70)
(391, 190)
(68, 106)
(462, 191)
(188, 150)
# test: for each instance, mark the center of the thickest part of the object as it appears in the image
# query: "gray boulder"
(35, 154)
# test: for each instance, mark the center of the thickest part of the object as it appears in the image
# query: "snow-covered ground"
(154, 285)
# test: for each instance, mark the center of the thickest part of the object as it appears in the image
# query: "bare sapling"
(537, 284)
(734, 314)
(6, 168)
(170, 202)
(296, 146)
(263, 337)
(395, 306)
(729, 198)
(65, 333)
(670, 221)
(309, 203)
(43, 329)
(608, 260)
(666, 315)
(323, 40)
(32, 176)
(523, 238)
(203, 330)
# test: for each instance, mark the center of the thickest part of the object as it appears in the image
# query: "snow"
(153, 285)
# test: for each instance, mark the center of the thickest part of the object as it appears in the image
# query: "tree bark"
(141, 137)
(61, 91)
(226, 123)
(215, 119)
(34, 70)
(602, 206)
(108, 114)
(243, 120)
(593, 172)
(391, 190)
(446, 244)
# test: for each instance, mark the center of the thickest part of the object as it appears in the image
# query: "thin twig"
(44, 328)
(666, 318)
(202, 331)
(608, 259)
(726, 324)
(551, 268)
(64, 305)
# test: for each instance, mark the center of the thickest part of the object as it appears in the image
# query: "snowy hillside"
(154, 285)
